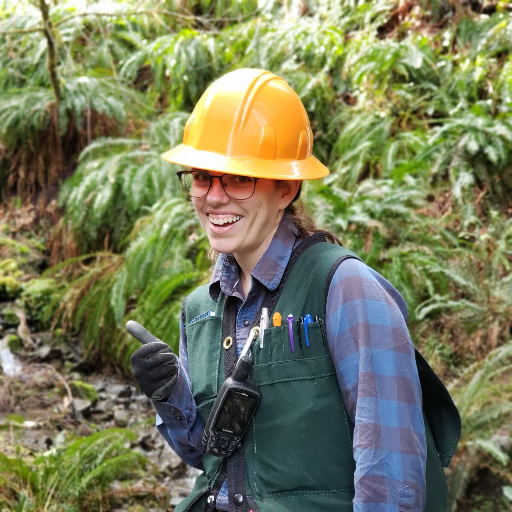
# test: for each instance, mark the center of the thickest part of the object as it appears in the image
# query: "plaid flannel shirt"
(376, 370)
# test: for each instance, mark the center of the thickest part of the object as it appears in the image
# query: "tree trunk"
(51, 61)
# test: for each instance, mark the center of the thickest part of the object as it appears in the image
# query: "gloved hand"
(154, 365)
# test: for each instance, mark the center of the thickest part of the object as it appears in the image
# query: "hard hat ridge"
(249, 122)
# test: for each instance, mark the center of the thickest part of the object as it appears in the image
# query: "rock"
(104, 406)
(181, 488)
(100, 386)
(120, 390)
(42, 338)
(178, 471)
(82, 408)
(46, 353)
(10, 318)
(38, 294)
(503, 439)
(175, 500)
(83, 390)
(172, 459)
(146, 442)
(14, 343)
(84, 367)
(59, 337)
(121, 417)
(10, 289)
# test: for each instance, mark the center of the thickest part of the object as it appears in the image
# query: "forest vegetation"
(410, 103)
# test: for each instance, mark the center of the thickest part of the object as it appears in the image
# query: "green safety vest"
(298, 448)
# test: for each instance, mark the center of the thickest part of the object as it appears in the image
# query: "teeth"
(220, 220)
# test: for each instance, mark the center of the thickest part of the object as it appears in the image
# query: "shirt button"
(178, 418)
(238, 499)
(246, 323)
(172, 410)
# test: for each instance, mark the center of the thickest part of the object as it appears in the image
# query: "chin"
(220, 247)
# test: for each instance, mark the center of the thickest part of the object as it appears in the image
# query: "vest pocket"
(204, 347)
(278, 347)
(301, 432)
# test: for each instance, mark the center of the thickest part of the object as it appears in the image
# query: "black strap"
(229, 329)
(236, 462)
(232, 468)
(214, 491)
(236, 481)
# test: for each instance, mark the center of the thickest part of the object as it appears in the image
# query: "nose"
(217, 194)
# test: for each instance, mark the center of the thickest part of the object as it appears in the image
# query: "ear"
(288, 190)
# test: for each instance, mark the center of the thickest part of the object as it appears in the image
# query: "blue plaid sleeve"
(176, 418)
(378, 378)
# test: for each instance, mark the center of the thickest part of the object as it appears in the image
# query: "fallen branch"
(60, 377)
(21, 31)
(23, 330)
(155, 11)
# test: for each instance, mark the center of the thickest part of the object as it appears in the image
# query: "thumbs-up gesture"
(154, 365)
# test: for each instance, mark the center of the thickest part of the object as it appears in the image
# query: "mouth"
(223, 221)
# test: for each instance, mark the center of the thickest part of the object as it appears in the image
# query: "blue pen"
(307, 320)
(290, 331)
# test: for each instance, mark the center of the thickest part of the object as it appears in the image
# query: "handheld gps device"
(233, 408)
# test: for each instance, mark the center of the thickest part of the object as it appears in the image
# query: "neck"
(247, 261)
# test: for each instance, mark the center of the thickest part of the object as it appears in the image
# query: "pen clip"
(307, 320)
(300, 320)
(290, 319)
(321, 323)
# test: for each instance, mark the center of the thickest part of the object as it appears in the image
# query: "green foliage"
(410, 106)
(14, 342)
(83, 390)
(181, 66)
(9, 288)
(116, 181)
(24, 114)
(70, 478)
(483, 405)
(162, 264)
(40, 301)
(10, 317)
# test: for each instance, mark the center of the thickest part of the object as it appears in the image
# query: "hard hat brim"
(308, 169)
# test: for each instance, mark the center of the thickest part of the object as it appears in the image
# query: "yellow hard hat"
(250, 122)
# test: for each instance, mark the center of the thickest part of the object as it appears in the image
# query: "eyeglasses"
(198, 184)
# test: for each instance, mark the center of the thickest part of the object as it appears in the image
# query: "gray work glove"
(154, 365)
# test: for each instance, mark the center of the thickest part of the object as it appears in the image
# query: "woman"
(340, 424)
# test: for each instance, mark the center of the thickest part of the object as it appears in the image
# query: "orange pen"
(276, 319)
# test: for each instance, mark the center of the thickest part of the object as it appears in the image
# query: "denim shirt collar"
(268, 271)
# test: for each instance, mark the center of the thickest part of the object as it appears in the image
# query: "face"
(251, 222)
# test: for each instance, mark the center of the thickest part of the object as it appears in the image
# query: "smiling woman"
(245, 227)
(340, 425)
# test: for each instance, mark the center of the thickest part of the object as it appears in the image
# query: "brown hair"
(304, 223)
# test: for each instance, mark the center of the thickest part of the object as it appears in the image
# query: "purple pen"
(290, 331)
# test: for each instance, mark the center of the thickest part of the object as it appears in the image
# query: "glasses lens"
(238, 187)
(195, 184)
